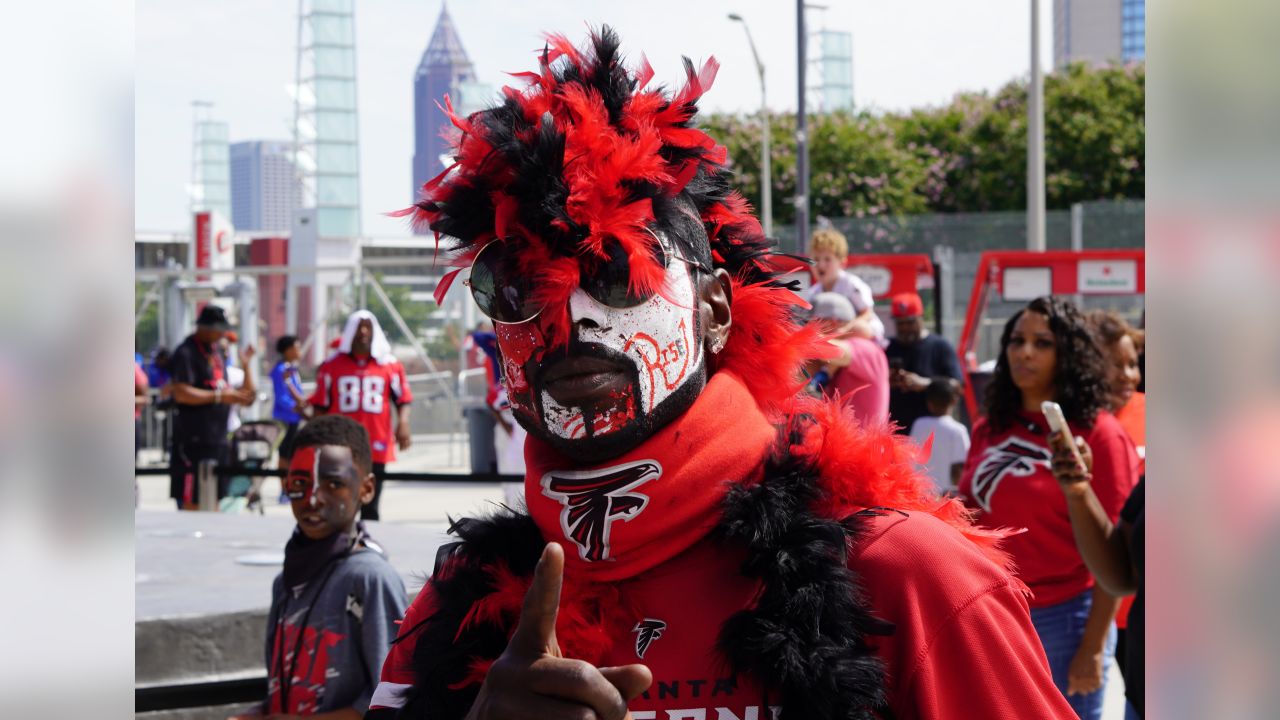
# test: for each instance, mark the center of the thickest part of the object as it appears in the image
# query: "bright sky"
(239, 54)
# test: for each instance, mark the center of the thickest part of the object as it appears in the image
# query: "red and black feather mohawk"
(579, 162)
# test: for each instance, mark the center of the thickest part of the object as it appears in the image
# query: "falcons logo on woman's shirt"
(1014, 456)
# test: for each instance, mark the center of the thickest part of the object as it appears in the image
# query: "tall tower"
(829, 86)
(210, 187)
(326, 228)
(835, 65)
(444, 69)
(326, 133)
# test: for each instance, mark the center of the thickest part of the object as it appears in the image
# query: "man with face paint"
(334, 608)
(701, 539)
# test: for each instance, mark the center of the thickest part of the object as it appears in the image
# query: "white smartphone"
(1058, 423)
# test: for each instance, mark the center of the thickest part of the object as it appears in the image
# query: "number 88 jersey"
(364, 391)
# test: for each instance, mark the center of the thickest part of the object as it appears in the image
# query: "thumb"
(630, 680)
(536, 632)
(1071, 687)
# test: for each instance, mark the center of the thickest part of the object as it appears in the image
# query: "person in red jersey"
(1049, 353)
(363, 381)
(1122, 346)
(701, 539)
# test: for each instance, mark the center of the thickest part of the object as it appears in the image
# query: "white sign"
(1107, 277)
(877, 277)
(1027, 283)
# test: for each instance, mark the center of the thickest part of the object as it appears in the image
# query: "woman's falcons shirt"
(1008, 479)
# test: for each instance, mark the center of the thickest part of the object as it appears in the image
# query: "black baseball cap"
(213, 317)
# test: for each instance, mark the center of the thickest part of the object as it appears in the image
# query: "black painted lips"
(580, 380)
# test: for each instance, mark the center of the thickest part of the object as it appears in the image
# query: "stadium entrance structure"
(1008, 279)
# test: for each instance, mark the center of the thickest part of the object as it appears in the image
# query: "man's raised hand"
(532, 680)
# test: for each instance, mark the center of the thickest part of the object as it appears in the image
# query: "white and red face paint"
(659, 336)
(302, 482)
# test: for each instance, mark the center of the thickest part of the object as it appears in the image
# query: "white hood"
(380, 349)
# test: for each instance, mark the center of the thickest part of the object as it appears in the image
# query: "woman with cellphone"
(1047, 354)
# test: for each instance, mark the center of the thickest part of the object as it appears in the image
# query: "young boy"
(334, 608)
(290, 403)
(829, 250)
(950, 438)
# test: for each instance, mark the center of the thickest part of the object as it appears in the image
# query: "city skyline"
(900, 62)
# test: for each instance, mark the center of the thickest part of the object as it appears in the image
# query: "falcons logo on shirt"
(1011, 457)
(647, 630)
(594, 499)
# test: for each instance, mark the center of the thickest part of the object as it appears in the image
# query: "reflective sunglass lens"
(499, 289)
(609, 280)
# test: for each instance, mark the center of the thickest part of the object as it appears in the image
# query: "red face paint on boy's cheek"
(519, 344)
(300, 481)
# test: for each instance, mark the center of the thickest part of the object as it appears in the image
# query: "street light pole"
(766, 173)
(802, 133)
(1035, 141)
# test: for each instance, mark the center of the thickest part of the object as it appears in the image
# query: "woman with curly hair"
(1047, 352)
(1122, 346)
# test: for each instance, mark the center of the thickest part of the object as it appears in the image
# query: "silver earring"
(717, 345)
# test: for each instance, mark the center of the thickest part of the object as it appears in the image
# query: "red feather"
(443, 286)
(644, 73)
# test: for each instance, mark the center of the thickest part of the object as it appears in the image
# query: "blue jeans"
(1061, 627)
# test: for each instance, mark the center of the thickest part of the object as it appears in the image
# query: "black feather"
(440, 661)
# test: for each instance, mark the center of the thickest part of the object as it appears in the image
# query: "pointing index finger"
(536, 632)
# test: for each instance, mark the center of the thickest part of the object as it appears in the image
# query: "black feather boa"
(806, 638)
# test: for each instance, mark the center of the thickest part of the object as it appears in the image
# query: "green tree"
(966, 156)
(415, 313)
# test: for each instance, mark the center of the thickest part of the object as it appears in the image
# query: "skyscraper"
(1099, 31)
(265, 188)
(444, 69)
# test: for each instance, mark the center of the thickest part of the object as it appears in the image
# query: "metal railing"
(453, 392)
(208, 472)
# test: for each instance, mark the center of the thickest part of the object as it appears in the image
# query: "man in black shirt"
(916, 357)
(202, 398)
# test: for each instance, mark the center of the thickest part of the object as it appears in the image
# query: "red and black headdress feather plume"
(584, 157)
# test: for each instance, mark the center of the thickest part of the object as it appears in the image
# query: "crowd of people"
(739, 497)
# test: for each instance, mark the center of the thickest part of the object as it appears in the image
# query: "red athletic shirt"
(963, 644)
(364, 391)
(1008, 480)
